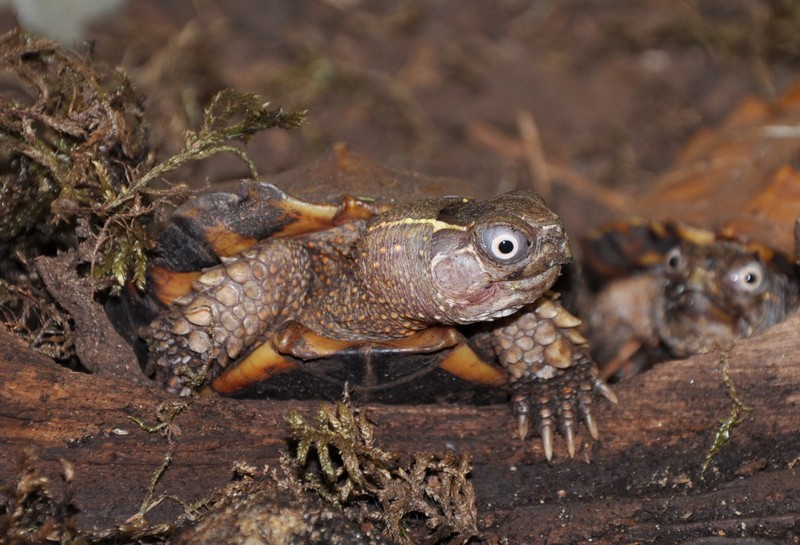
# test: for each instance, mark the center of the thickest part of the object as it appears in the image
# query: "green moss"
(427, 499)
(77, 171)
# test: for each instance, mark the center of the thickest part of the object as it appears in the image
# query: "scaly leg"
(553, 380)
(228, 308)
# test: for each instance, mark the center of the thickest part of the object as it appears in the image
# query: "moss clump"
(428, 499)
(77, 173)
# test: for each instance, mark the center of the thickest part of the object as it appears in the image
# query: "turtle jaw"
(692, 323)
(525, 291)
(532, 287)
(473, 290)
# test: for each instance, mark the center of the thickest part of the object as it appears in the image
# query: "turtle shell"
(737, 185)
(221, 223)
(231, 215)
(341, 171)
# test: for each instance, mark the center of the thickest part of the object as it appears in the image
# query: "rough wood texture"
(641, 483)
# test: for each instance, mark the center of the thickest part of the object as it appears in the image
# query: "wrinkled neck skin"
(393, 262)
(376, 288)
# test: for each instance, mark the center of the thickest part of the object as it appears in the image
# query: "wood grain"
(641, 483)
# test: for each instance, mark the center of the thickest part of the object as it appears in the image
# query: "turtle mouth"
(539, 282)
(693, 323)
(518, 293)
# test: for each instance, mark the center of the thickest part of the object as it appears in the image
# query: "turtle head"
(488, 259)
(720, 290)
(457, 261)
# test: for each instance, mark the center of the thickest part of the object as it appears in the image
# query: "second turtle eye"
(749, 277)
(673, 260)
(504, 244)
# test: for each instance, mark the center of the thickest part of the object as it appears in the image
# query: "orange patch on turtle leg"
(169, 285)
(263, 363)
(464, 363)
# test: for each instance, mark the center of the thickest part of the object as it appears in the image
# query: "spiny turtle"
(256, 283)
(715, 258)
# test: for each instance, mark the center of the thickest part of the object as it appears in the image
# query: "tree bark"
(642, 482)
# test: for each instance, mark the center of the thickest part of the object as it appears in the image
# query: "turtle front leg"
(552, 377)
(227, 309)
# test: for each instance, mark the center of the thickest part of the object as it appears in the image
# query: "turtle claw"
(523, 426)
(522, 409)
(566, 400)
(604, 390)
(568, 428)
(591, 424)
(546, 430)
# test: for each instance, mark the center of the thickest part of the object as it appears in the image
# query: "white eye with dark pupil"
(749, 277)
(504, 244)
(674, 260)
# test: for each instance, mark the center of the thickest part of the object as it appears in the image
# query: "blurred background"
(588, 101)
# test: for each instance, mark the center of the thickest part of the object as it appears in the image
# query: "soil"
(587, 101)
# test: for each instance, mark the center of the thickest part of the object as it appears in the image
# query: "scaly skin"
(439, 262)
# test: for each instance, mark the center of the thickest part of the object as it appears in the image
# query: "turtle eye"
(673, 261)
(505, 244)
(749, 277)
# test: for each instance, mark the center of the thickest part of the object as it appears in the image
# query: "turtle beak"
(554, 245)
(552, 251)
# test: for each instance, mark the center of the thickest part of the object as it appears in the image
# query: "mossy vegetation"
(77, 173)
(427, 499)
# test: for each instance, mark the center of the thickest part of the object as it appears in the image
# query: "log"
(641, 483)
